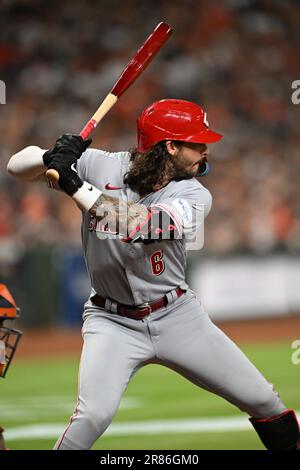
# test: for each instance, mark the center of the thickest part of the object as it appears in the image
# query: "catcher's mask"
(177, 120)
(9, 337)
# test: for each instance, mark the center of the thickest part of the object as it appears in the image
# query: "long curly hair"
(148, 170)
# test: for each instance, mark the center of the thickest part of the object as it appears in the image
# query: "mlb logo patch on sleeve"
(184, 209)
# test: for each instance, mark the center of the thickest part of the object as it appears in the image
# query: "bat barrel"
(142, 58)
(133, 69)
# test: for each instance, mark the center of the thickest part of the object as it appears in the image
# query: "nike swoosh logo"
(112, 188)
(73, 167)
(90, 188)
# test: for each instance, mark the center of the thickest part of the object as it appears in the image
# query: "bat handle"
(52, 175)
(88, 128)
(105, 106)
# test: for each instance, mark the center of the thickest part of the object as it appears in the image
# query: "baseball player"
(141, 310)
(9, 337)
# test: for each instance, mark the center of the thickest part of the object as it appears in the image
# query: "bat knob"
(52, 175)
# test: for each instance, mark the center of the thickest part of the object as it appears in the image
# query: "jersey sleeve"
(85, 163)
(188, 208)
(179, 215)
(99, 167)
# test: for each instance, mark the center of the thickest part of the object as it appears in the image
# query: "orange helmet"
(8, 308)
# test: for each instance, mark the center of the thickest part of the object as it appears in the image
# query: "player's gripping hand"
(63, 157)
(69, 147)
(69, 180)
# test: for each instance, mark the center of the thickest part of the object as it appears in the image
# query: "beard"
(180, 171)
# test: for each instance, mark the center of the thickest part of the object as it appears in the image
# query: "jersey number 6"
(157, 263)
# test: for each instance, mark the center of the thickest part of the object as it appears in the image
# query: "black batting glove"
(69, 147)
(69, 180)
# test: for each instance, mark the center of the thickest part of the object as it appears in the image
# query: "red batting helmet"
(173, 120)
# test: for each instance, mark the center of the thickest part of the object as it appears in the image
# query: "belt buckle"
(145, 305)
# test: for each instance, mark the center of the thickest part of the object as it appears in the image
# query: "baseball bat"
(131, 72)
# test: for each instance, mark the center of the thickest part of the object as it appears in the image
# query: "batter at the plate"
(139, 209)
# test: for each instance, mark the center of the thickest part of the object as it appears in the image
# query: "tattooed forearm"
(122, 213)
(101, 201)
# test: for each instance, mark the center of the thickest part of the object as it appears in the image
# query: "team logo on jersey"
(112, 188)
(205, 120)
(92, 223)
(184, 209)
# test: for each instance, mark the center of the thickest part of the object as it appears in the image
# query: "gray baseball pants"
(181, 337)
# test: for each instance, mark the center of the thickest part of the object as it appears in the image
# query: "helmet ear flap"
(204, 169)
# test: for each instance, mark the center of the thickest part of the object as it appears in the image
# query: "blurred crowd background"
(237, 58)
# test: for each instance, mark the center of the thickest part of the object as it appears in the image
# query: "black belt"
(136, 312)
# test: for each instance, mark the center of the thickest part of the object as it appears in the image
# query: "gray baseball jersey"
(180, 336)
(136, 273)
